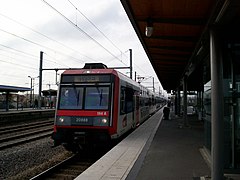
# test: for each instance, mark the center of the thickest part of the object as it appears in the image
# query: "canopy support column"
(217, 145)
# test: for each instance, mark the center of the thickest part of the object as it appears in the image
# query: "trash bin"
(166, 111)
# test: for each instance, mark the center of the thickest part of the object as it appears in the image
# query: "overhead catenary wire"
(51, 39)
(20, 65)
(54, 61)
(59, 58)
(36, 57)
(95, 26)
(22, 52)
(37, 44)
(81, 30)
(27, 54)
(57, 41)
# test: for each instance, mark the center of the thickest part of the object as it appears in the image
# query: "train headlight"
(104, 121)
(100, 121)
(63, 120)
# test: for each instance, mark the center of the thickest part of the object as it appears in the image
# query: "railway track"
(71, 167)
(16, 135)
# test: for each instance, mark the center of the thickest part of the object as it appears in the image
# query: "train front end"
(84, 115)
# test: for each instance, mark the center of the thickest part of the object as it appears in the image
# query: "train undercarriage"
(78, 140)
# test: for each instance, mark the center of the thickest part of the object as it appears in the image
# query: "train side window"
(141, 100)
(126, 100)
(122, 101)
(129, 100)
(146, 101)
(153, 100)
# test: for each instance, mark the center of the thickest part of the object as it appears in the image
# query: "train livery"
(96, 105)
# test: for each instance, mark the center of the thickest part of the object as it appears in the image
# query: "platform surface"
(158, 149)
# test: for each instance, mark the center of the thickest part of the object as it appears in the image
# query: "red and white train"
(95, 106)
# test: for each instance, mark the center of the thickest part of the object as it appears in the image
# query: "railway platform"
(158, 149)
(14, 115)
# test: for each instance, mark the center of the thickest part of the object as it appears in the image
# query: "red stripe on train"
(80, 127)
(82, 113)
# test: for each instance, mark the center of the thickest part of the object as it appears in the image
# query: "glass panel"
(207, 115)
(227, 122)
(71, 98)
(122, 101)
(97, 98)
(129, 100)
(236, 103)
(237, 146)
(231, 88)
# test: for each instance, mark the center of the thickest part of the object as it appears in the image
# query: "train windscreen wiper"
(77, 94)
(100, 95)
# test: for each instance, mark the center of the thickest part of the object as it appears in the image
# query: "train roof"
(100, 71)
(90, 71)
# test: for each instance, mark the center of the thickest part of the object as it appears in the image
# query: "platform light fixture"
(149, 28)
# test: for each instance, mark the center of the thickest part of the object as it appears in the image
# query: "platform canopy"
(179, 30)
(4, 88)
(9, 89)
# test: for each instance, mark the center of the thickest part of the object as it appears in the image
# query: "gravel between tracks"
(28, 160)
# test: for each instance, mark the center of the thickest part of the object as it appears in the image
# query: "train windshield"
(71, 98)
(89, 98)
(97, 98)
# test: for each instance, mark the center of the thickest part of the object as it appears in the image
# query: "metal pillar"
(199, 105)
(185, 102)
(131, 69)
(31, 92)
(177, 102)
(217, 145)
(56, 76)
(153, 85)
(40, 81)
(7, 100)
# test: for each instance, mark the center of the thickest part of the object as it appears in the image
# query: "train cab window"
(71, 98)
(97, 98)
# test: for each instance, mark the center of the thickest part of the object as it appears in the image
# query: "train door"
(126, 108)
(137, 109)
(130, 106)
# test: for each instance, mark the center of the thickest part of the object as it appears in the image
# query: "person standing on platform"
(35, 104)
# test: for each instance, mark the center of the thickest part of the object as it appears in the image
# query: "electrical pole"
(153, 85)
(31, 92)
(131, 69)
(56, 76)
(40, 80)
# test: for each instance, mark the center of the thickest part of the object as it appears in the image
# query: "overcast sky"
(70, 33)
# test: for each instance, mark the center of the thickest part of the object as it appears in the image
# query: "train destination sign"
(85, 78)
